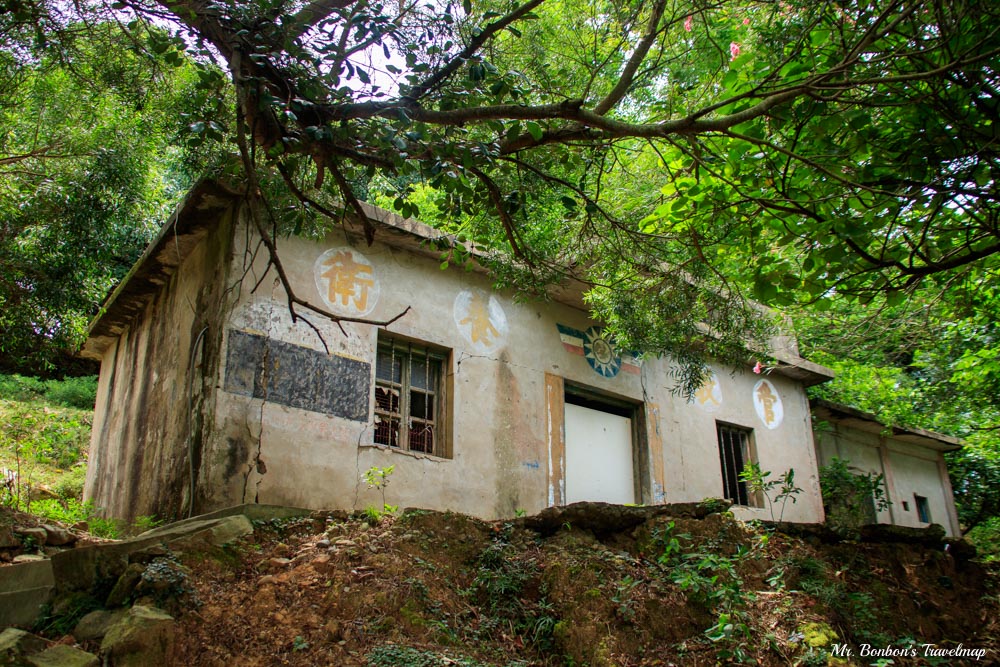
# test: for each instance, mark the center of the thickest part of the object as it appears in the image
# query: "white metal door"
(598, 456)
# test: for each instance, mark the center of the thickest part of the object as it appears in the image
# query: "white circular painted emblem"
(708, 397)
(480, 319)
(767, 403)
(346, 280)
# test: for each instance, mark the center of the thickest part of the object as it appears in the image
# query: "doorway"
(601, 452)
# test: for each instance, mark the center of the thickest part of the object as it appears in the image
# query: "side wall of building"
(909, 470)
(149, 409)
(509, 366)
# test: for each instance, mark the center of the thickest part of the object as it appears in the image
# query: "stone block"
(144, 636)
(61, 655)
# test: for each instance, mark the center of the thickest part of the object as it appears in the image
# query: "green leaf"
(535, 130)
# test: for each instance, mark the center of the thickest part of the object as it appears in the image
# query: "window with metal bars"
(734, 453)
(408, 396)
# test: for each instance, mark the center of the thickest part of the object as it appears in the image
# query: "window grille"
(408, 381)
(734, 454)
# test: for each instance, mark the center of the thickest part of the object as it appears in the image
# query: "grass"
(44, 438)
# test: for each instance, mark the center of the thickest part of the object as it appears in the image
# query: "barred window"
(408, 397)
(735, 453)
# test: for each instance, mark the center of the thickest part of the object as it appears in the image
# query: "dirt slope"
(427, 589)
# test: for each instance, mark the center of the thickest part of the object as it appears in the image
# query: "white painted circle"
(480, 319)
(346, 281)
(767, 403)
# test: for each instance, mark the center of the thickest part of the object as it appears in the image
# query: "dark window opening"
(923, 508)
(734, 454)
(408, 393)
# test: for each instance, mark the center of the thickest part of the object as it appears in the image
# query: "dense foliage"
(87, 174)
(802, 147)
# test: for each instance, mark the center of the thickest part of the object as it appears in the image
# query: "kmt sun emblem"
(600, 353)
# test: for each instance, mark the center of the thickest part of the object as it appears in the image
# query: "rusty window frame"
(736, 450)
(409, 397)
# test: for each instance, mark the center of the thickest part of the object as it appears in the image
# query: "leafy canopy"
(810, 149)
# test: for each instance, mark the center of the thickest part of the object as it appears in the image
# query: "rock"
(61, 655)
(931, 536)
(605, 518)
(96, 624)
(27, 558)
(81, 527)
(266, 580)
(56, 536)
(42, 492)
(323, 544)
(37, 535)
(15, 643)
(125, 585)
(7, 539)
(277, 563)
(144, 636)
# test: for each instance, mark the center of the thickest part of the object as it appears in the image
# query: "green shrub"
(20, 388)
(71, 392)
(851, 498)
(79, 392)
(986, 538)
(72, 511)
(70, 484)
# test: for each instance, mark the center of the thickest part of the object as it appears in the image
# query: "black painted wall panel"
(297, 376)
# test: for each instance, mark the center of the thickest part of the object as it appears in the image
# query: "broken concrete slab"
(24, 607)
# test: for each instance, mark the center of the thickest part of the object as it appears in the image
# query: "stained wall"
(275, 439)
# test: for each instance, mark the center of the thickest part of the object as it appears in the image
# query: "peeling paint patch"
(297, 376)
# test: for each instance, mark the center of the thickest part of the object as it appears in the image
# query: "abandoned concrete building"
(210, 395)
(910, 460)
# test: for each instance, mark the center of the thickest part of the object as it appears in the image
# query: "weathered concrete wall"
(909, 470)
(270, 447)
(138, 462)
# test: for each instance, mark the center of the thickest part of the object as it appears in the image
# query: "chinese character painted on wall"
(480, 319)
(709, 395)
(347, 282)
(767, 403)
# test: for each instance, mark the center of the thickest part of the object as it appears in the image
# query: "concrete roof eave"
(186, 227)
(865, 421)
